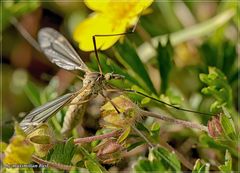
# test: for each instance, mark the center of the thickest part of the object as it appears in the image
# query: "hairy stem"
(51, 164)
(97, 137)
(176, 121)
(25, 34)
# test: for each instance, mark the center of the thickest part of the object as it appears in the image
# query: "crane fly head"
(110, 76)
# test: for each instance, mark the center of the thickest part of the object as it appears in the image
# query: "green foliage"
(33, 93)
(109, 65)
(221, 55)
(218, 87)
(90, 161)
(129, 58)
(92, 167)
(63, 152)
(165, 63)
(15, 9)
(200, 168)
(159, 160)
(227, 167)
(228, 127)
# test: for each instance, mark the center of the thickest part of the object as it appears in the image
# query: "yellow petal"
(131, 8)
(18, 151)
(98, 24)
(97, 5)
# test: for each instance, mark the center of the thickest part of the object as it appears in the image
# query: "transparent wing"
(41, 114)
(59, 51)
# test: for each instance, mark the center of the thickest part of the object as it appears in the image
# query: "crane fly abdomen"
(75, 112)
(93, 83)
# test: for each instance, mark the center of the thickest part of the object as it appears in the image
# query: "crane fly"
(59, 51)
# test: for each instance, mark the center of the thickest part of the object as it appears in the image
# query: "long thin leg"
(105, 35)
(157, 100)
(113, 104)
(110, 35)
(175, 107)
(143, 136)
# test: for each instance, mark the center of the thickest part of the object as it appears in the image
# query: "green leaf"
(227, 167)
(63, 152)
(229, 57)
(221, 55)
(141, 127)
(91, 158)
(154, 131)
(124, 135)
(134, 145)
(200, 168)
(165, 63)
(110, 66)
(159, 160)
(129, 58)
(33, 93)
(168, 159)
(92, 167)
(228, 127)
(145, 166)
(218, 87)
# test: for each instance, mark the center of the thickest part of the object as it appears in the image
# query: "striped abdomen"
(76, 110)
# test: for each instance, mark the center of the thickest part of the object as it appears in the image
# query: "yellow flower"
(18, 151)
(109, 17)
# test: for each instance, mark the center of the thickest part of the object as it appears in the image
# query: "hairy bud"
(109, 151)
(214, 127)
(128, 113)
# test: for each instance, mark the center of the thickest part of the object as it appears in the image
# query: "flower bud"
(128, 115)
(109, 151)
(214, 127)
(42, 140)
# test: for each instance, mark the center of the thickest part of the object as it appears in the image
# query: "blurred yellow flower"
(109, 17)
(19, 151)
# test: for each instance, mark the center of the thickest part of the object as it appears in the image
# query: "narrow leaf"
(165, 63)
(130, 59)
(92, 167)
(33, 93)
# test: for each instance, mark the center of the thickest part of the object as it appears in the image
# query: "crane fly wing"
(59, 51)
(41, 114)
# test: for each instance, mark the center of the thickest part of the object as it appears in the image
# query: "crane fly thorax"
(95, 81)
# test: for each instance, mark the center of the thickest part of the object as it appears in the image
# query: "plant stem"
(176, 121)
(97, 137)
(51, 164)
(25, 34)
